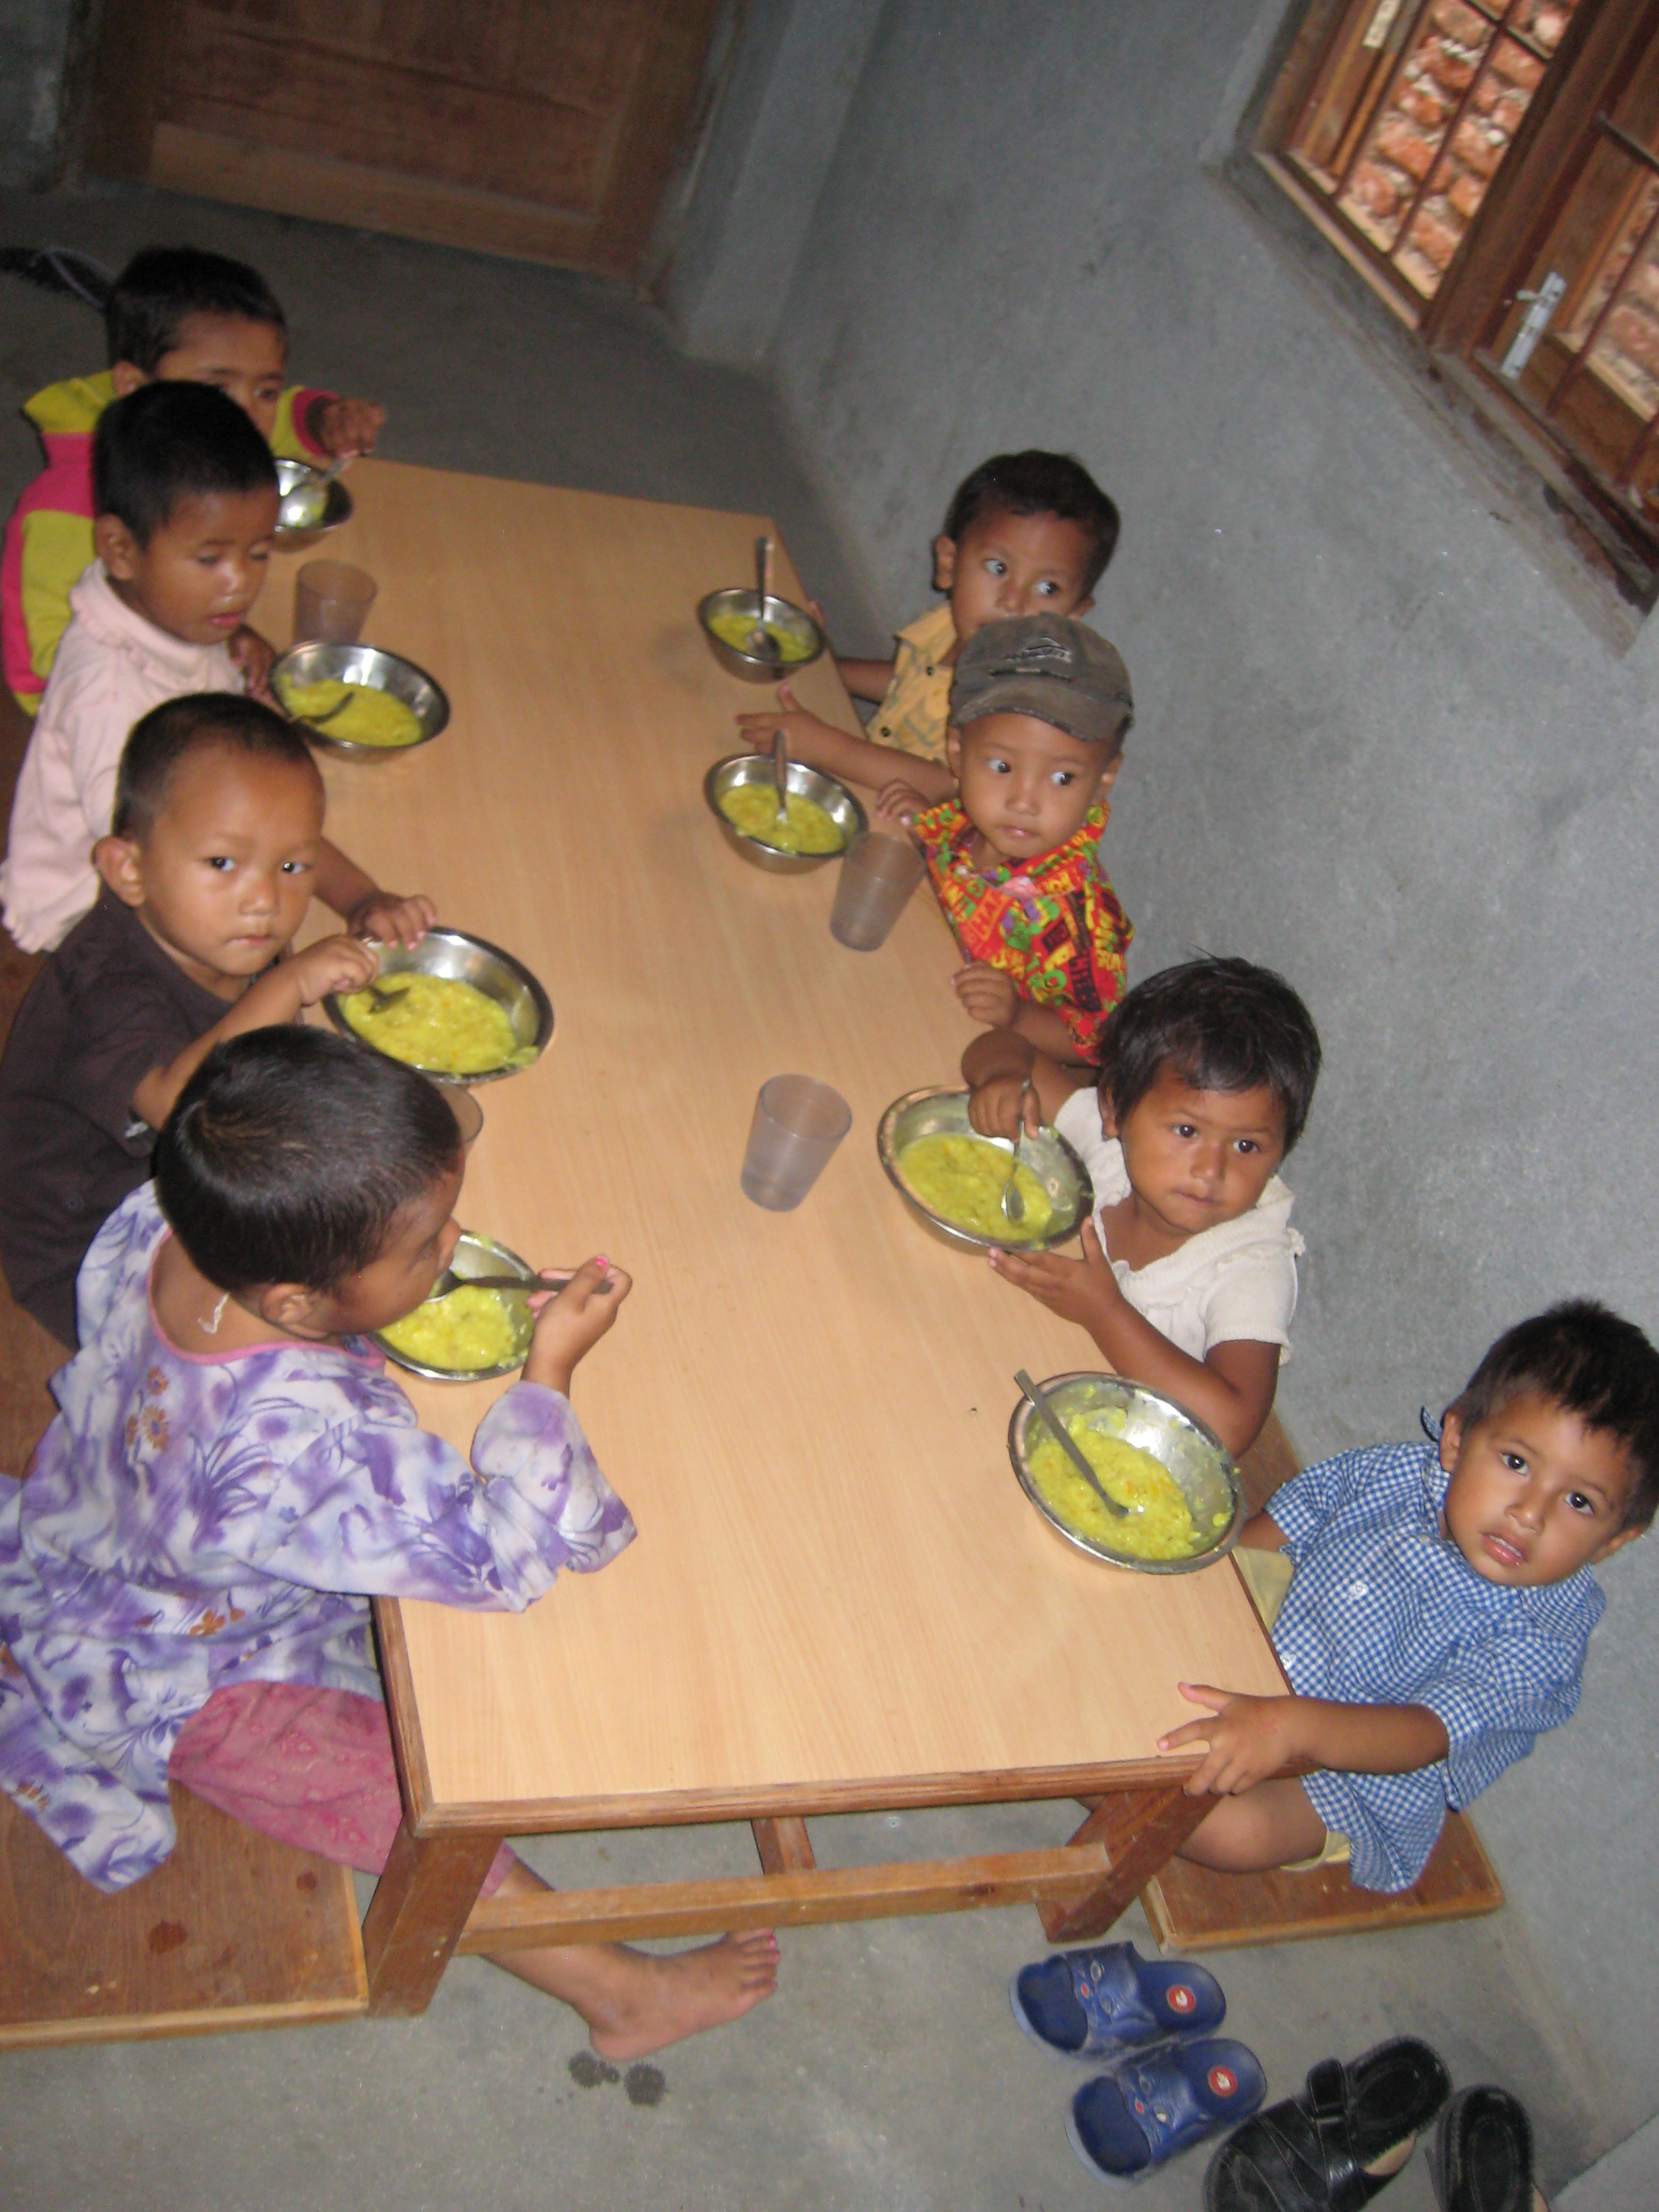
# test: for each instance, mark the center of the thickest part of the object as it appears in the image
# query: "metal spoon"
(1013, 1199)
(449, 1281)
(1064, 1436)
(760, 641)
(781, 773)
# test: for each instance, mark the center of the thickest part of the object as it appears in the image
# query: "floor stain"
(588, 2069)
(166, 1935)
(645, 2085)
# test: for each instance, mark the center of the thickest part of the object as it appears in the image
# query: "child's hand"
(897, 803)
(333, 963)
(346, 426)
(1076, 1289)
(392, 918)
(1250, 1740)
(571, 1320)
(987, 995)
(255, 656)
(803, 730)
(1004, 1107)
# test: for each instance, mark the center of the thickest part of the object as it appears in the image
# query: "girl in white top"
(1188, 1277)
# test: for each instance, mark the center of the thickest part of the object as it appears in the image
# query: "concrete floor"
(887, 2071)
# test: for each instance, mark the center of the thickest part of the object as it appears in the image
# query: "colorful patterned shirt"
(1384, 1609)
(191, 1520)
(914, 714)
(1055, 926)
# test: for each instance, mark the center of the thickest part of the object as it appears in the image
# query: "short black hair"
(1223, 1024)
(166, 443)
(1588, 1362)
(161, 740)
(291, 1152)
(163, 286)
(1035, 483)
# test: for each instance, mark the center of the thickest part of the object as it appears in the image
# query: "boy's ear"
(1452, 1440)
(120, 863)
(1615, 1544)
(1109, 774)
(1081, 609)
(115, 546)
(289, 1307)
(944, 562)
(126, 376)
(953, 750)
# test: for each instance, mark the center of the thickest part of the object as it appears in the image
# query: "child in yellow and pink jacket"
(174, 315)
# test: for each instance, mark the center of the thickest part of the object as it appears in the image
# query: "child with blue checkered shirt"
(1435, 1607)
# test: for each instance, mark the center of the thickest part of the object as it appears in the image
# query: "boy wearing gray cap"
(1039, 710)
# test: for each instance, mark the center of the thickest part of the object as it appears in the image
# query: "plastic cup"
(877, 875)
(469, 1114)
(798, 1123)
(331, 600)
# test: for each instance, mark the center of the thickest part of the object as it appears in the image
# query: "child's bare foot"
(656, 2001)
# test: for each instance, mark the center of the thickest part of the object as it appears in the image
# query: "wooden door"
(542, 128)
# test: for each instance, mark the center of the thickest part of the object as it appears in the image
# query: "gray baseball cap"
(1059, 671)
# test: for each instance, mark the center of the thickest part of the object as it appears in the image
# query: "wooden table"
(838, 1599)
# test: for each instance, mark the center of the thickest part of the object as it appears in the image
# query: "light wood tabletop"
(839, 1596)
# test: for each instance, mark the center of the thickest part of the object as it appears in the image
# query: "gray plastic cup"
(877, 875)
(331, 600)
(798, 1123)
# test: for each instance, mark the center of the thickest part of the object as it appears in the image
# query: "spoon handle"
(555, 1279)
(1062, 1435)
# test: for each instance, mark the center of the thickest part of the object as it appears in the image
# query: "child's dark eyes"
(1580, 1504)
(1248, 1144)
(1514, 1461)
(1062, 776)
(999, 766)
(223, 862)
(296, 867)
(995, 567)
(1185, 1129)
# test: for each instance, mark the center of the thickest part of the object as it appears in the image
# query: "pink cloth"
(311, 1767)
(112, 667)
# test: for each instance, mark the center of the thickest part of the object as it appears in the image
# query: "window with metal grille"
(1491, 169)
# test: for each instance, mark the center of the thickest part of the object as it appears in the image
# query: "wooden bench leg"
(1141, 1830)
(416, 1914)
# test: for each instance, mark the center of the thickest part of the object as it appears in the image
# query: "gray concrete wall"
(761, 170)
(1375, 748)
(37, 42)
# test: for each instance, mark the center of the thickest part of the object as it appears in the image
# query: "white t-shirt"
(1235, 1281)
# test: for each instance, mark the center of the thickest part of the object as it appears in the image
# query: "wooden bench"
(233, 1931)
(1193, 1908)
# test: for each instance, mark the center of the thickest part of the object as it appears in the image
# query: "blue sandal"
(1151, 2106)
(1110, 1999)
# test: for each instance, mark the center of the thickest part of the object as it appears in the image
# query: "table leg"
(417, 1912)
(1141, 1829)
(784, 1844)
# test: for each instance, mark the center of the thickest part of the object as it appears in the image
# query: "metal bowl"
(318, 662)
(837, 802)
(294, 537)
(754, 668)
(937, 1112)
(464, 959)
(478, 1256)
(1193, 1455)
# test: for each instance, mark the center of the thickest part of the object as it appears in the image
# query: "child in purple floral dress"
(184, 1576)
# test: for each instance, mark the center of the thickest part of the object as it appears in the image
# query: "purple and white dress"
(190, 1522)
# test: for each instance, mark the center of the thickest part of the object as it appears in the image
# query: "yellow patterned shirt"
(917, 707)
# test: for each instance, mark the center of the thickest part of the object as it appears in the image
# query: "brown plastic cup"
(877, 878)
(798, 1123)
(331, 600)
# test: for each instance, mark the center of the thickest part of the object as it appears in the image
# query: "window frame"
(1606, 559)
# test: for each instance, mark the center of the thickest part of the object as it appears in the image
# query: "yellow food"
(436, 1023)
(753, 809)
(961, 1179)
(365, 715)
(1159, 1524)
(736, 630)
(470, 1329)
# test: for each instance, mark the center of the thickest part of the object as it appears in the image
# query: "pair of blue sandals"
(1168, 2080)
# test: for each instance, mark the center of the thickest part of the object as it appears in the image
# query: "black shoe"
(1482, 2158)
